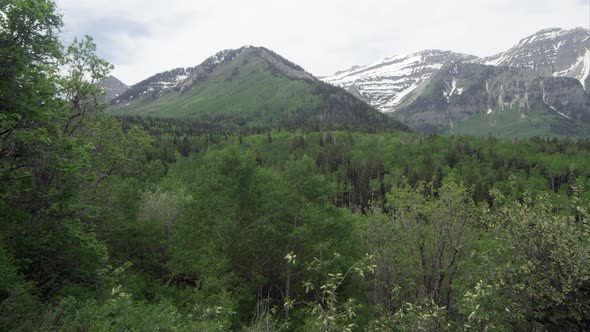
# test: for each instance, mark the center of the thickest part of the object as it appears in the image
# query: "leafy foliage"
(159, 224)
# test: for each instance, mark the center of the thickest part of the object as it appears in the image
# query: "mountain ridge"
(397, 85)
(551, 52)
(112, 87)
(249, 86)
(537, 87)
(504, 101)
(563, 62)
(386, 82)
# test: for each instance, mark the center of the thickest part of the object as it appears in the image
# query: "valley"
(434, 191)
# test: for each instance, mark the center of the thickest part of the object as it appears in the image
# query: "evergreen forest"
(113, 222)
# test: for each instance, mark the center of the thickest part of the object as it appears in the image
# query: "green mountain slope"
(251, 86)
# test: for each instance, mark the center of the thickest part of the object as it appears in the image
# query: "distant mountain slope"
(387, 82)
(392, 82)
(537, 87)
(551, 52)
(250, 86)
(478, 99)
(112, 87)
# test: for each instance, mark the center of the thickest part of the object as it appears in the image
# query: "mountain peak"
(249, 86)
(553, 34)
(388, 82)
(549, 31)
(181, 79)
(541, 35)
(559, 31)
(534, 75)
(112, 87)
(551, 52)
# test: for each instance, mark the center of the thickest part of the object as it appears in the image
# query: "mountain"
(112, 87)
(537, 87)
(393, 82)
(250, 86)
(550, 52)
(469, 98)
(386, 83)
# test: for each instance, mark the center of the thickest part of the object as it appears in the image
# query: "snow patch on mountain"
(551, 107)
(551, 52)
(586, 69)
(449, 94)
(387, 82)
(392, 82)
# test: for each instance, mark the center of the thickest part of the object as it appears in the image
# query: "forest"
(124, 223)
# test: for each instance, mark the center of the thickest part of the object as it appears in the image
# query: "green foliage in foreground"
(141, 225)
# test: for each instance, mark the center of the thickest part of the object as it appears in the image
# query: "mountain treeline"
(148, 224)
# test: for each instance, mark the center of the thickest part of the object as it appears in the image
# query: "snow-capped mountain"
(551, 52)
(155, 85)
(386, 83)
(251, 87)
(393, 82)
(538, 87)
(177, 79)
(181, 79)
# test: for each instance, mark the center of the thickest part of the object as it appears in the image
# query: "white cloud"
(144, 37)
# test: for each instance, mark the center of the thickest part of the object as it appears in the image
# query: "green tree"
(19, 307)
(545, 268)
(48, 102)
(418, 248)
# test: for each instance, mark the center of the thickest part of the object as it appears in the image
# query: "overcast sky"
(143, 37)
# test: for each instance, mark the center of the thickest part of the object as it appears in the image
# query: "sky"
(144, 37)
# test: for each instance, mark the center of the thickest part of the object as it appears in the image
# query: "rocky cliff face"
(388, 82)
(393, 83)
(465, 96)
(543, 78)
(112, 87)
(537, 87)
(551, 53)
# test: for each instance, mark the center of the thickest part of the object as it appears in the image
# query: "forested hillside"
(251, 87)
(148, 224)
